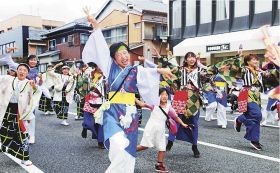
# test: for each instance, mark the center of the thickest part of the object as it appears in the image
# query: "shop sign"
(219, 47)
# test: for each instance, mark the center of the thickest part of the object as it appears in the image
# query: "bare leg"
(161, 155)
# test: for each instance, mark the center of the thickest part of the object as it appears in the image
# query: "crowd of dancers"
(106, 89)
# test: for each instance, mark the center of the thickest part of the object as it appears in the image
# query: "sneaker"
(256, 145)
(78, 118)
(47, 113)
(159, 167)
(196, 153)
(237, 125)
(64, 122)
(169, 145)
(26, 162)
(224, 126)
(32, 140)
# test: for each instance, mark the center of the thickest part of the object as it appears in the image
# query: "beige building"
(140, 24)
(28, 20)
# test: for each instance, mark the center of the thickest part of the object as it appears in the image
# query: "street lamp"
(129, 8)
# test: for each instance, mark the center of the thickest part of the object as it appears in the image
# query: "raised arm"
(96, 49)
(7, 59)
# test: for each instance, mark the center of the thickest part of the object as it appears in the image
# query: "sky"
(62, 10)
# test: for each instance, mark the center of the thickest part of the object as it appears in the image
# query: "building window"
(177, 12)
(115, 35)
(241, 8)
(190, 12)
(137, 25)
(52, 44)
(4, 47)
(70, 40)
(262, 6)
(205, 12)
(84, 38)
(222, 12)
(162, 30)
(40, 50)
(63, 40)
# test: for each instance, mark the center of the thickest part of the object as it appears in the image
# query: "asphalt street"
(60, 149)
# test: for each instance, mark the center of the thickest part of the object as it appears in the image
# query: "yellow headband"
(122, 47)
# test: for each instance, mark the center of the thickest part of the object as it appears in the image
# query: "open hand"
(90, 18)
(273, 54)
(167, 73)
(32, 83)
(11, 49)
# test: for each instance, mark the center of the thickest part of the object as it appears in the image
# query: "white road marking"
(234, 150)
(267, 125)
(31, 169)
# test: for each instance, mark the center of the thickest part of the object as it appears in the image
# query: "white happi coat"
(26, 101)
(59, 81)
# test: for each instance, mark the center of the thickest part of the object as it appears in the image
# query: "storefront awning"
(227, 42)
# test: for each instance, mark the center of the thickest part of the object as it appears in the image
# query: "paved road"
(60, 149)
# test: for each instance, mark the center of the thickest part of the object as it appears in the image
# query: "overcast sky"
(63, 10)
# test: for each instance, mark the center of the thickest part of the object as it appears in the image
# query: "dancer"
(46, 104)
(120, 121)
(63, 93)
(154, 132)
(32, 75)
(93, 101)
(82, 89)
(18, 95)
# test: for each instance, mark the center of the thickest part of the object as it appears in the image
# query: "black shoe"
(101, 145)
(169, 145)
(237, 125)
(196, 153)
(256, 145)
(84, 133)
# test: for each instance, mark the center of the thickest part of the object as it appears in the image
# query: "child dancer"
(154, 132)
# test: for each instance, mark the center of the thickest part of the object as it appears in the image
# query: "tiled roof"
(50, 53)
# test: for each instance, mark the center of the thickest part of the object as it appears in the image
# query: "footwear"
(78, 118)
(159, 167)
(224, 126)
(237, 125)
(256, 145)
(64, 122)
(196, 153)
(47, 113)
(169, 145)
(101, 145)
(84, 133)
(26, 162)
(32, 140)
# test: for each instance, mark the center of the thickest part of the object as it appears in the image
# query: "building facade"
(217, 28)
(140, 24)
(65, 43)
(24, 32)
(28, 20)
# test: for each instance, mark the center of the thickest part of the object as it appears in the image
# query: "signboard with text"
(219, 47)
